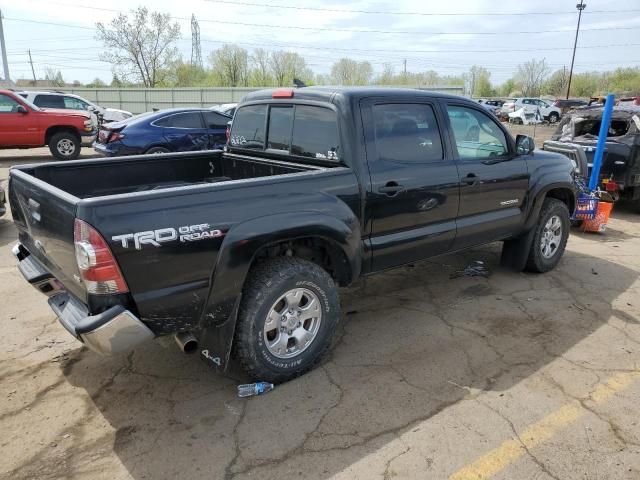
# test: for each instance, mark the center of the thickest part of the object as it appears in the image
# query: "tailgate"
(44, 216)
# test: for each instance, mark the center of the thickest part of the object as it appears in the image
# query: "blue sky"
(447, 37)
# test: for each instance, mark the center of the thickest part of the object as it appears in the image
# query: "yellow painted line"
(496, 460)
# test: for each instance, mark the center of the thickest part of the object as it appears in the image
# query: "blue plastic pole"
(602, 142)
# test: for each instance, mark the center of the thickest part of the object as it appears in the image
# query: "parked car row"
(69, 101)
(164, 131)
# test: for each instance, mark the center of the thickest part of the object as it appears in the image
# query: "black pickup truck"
(239, 253)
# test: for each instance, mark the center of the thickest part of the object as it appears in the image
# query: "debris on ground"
(252, 389)
(474, 269)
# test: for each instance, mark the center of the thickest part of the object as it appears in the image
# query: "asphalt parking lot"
(516, 376)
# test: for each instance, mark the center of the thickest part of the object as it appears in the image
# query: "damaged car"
(620, 171)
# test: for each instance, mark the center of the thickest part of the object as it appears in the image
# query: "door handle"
(471, 179)
(391, 189)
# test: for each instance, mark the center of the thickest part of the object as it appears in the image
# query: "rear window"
(315, 133)
(247, 130)
(300, 130)
(280, 119)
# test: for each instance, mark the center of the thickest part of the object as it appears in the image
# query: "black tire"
(156, 150)
(65, 145)
(553, 117)
(267, 283)
(537, 261)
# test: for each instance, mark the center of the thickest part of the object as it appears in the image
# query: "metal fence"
(138, 100)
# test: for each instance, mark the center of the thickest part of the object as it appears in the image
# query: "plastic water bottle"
(251, 389)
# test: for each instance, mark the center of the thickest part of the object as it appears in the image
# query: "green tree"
(508, 88)
(188, 75)
(285, 66)
(557, 83)
(351, 72)
(479, 84)
(531, 76)
(230, 65)
(141, 45)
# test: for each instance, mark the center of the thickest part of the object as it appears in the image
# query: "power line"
(332, 29)
(429, 14)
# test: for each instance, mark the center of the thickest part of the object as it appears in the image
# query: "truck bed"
(96, 178)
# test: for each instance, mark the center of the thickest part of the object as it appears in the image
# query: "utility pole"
(35, 82)
(196, 50)
(405, 67)
(5, 64)
(580, 6)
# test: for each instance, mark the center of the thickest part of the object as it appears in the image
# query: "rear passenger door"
(49, 101)
(217, 128)
(412, 201)
(185, 131)
(493, 179)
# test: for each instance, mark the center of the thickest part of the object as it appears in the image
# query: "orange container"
(599, 222)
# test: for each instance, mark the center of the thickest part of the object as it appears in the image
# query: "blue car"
(172, 130)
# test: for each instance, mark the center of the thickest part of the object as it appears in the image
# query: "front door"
(17, 128)
(493, 179)
(412, 200)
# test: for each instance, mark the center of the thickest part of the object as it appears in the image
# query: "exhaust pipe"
(186, 342)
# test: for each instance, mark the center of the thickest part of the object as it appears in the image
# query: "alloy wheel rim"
(292, 323)
(551, 237)
(66, 147)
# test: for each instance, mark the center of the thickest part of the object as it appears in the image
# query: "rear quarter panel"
(171, 283)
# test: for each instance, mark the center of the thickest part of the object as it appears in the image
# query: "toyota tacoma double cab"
(24, 125)
(239, 253)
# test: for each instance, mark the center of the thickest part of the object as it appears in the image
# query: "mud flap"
(516, 251)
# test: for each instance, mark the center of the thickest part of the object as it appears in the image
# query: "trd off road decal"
(187, 233)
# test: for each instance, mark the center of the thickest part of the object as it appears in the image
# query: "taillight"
(115, 136)
(98, 268)
(228, 133)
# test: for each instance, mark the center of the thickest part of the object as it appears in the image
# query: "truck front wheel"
(65, 146)
(288, 314)
(550, 237)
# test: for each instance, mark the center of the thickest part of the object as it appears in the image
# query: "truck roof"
(327, 94)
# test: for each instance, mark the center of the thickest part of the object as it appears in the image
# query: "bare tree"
(260, 60)
(286, 66)
(531, 75)
(230, 63)
(140, 45)
(350, 72)
(54, 76)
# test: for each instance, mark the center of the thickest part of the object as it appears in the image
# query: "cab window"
(406, 132)
(49, 101)
(8, 104)
(476, 134)
(75, 104)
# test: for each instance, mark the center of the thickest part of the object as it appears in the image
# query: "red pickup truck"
(23, 125)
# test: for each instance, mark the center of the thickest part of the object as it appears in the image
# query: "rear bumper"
(116, 330)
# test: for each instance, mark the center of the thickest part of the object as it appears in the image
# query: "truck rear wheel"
(288, 314)
(65, 146)
(550, 237)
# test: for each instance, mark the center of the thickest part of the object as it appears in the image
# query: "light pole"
(580, 6)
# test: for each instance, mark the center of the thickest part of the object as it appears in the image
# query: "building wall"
(138, 100)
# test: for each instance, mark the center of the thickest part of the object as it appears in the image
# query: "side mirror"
(524, 145)
(21, 109)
